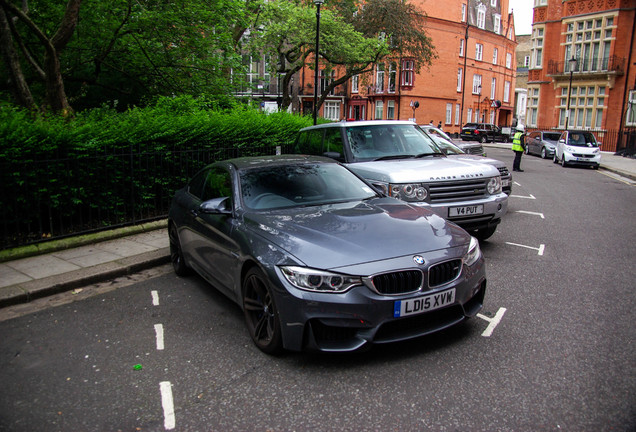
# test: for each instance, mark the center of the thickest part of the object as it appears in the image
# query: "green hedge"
(104, 167)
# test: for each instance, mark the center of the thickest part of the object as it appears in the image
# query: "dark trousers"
(517, 163)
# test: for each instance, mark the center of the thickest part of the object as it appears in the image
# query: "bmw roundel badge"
(418, 260)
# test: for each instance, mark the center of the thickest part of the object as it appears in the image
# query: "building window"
(540, 2)
(469, 115)
(449, 113)
(479, 51)
(506, 97)
(332, 110)
(390, 110)
(379, 78)
(461, 47)
(508, 60)
(460, 74)
(326, 79)
(536, 42)
(354, 83)
(493, 3)
(589, 41)
(407, 73)
(477, 84)
(481, 16)
(463, 12)
(495, 55)
(526, 61)
(496, 23)
(533, 106)
(586, 106)
(392, 73)
(631, 110)
(493, 86)
(457, 107)
(492, 116)
(379, 107)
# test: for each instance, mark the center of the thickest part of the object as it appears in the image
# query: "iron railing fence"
(611, 139)
(50, 198)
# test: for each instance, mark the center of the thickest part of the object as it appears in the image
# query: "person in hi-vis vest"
(517, 146)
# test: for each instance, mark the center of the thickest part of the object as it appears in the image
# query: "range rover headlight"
(319, 280)
(474, 252)
(409, 192)
(494, 185)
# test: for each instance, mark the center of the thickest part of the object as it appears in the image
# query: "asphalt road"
(553, 349)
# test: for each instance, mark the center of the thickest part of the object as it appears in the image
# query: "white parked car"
(578, 148)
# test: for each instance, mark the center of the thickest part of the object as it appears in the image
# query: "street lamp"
(572, 66)
(318, 3)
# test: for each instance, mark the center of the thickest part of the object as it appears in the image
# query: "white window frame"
(469, 115)
(331, 110)
(479, 52)
(379, 78)
(463, 12)
(496, 23)
(481, 16)
(390, 110)
(355, 80)
(449, 113)
(460, 76)
(461, 47)
(457, 108)
(379, 110)
(493, 87)
(506, 97)
(495, 56)
(508, 60)
(476, 84)
(493, 3)
(407, 74)
(630, 119)
(536, 41)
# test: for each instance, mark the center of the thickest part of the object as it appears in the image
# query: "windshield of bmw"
(385, 142)
(285, 186)
(582, 139)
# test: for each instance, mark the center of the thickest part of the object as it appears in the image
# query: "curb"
(28, 291)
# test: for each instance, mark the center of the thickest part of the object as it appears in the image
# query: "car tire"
(485, 233)
(176, 254)
(483, 139)
(555, 159)
(563, 162)
(261, 313)
(544, 154)
(595, 166)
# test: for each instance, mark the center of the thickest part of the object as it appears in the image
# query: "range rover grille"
(445, 272)
(398, 282)
(458, 191)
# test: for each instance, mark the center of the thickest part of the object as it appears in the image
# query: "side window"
(195, 187)
(333, 141)
(310, 143)
(217, 185)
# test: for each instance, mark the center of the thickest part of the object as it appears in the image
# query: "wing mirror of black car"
(333, 155)
(216, 206)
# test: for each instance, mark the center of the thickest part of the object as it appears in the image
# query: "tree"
(47, 64)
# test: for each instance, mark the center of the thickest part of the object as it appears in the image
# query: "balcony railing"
(592, 65)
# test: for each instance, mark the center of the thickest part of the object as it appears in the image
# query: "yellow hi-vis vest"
(516, 142)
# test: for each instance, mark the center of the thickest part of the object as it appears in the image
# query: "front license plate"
(466, 210)
(420, 305)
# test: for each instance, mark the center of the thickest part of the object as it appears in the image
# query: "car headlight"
(569, 149)
(408, 192)
(318, 280)
(494, 185)
(474, 253)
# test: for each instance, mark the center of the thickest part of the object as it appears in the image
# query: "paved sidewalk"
(25, 279)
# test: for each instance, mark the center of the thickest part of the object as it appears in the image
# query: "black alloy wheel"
(261, 315)
(176, 255)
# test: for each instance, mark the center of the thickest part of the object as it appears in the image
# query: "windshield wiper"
(405, 156)
(421, 155)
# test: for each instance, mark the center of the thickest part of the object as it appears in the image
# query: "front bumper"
(582, 159)
(362, 317)
(495, 207)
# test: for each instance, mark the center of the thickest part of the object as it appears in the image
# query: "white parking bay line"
(155, 297)
(167, 403)
(523, 196)
(540, 249)
(531, 213)
(159, 332)
(492, 321)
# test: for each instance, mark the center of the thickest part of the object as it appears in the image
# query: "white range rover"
(404, 162)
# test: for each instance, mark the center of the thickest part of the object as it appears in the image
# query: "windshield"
(298, 185)
(385, 141)
(447, 147)
(582, 139)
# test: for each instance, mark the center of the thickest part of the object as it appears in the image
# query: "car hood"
(422, 170)
(476, 158)
(339, 235)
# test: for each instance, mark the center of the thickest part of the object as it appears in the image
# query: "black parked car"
(483, 132)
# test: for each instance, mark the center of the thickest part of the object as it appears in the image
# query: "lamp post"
(318, 3)
(572, 66)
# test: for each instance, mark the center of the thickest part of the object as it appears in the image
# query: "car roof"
(274, 160)
(359, 123)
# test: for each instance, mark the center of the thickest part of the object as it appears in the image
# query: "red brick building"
(599, 36)
(472, 79)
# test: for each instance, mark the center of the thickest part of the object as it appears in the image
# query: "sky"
(523, 15)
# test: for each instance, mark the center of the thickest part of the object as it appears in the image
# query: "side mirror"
(562, 141)
(333, 155)
(221, 205)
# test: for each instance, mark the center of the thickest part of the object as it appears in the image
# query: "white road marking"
(540, 249)
(159, 332)
(523, 196)
(531, 213)
(492, 321)
(155, 297)
(167, 402)
(618, 177)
